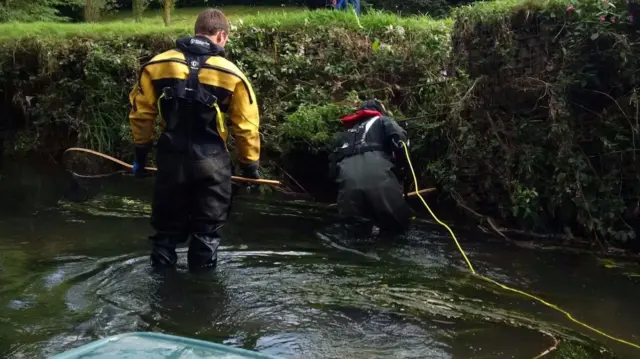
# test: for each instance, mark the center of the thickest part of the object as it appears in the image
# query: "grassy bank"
(524, 112)
(277, 21)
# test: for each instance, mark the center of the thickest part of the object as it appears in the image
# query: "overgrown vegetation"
(572, 350)
(435, 8)
(34, 10)
(547, 135)
(138, 8)
(522, 111)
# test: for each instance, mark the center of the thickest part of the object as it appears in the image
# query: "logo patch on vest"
(199, 42)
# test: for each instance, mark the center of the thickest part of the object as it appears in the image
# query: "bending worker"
(191, 88)
(363, 162)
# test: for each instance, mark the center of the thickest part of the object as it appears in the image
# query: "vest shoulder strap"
(191, 90)
(359, 144)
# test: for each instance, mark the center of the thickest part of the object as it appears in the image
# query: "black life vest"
(194, 122)
(363, 135)
(187, 107)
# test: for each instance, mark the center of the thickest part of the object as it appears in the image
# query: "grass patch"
(187, 16)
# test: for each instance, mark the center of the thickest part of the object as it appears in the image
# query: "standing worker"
(344, 5)
(191, 88)
(362, 163)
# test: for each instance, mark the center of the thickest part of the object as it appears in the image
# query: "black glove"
(395, 142)
(141, 153)
(250, 170)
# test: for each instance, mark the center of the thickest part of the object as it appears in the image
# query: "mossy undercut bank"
(524, 111)
(548, 133)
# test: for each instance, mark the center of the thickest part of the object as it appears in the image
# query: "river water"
(289, 283)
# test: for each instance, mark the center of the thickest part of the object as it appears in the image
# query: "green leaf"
(376, 45)
(595, 36)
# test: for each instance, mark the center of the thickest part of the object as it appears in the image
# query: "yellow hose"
(503, 286)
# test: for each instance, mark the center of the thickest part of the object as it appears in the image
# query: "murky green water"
(288, 283)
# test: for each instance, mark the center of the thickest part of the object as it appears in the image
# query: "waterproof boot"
(203, 252)
(163, 252)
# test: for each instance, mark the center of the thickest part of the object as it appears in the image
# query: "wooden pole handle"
(426, 190)
(153, 169)
(410, 194)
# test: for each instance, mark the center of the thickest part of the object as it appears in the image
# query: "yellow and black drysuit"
(363, 163)
(190, 89)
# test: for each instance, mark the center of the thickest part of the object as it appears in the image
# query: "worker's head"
(374, 105)
(212, 24)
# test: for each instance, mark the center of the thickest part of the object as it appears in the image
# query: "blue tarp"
(143, 345)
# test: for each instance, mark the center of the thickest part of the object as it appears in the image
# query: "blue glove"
(141, 152)
(139, 171)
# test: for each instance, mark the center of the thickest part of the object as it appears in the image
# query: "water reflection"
(289, 283)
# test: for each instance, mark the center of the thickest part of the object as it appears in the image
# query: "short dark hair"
(210, 22)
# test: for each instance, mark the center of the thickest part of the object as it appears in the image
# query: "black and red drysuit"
(363, 164)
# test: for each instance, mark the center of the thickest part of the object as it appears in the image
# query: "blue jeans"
(344, 5)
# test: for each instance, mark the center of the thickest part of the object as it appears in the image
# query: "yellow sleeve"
(143, 109)
(245, 122)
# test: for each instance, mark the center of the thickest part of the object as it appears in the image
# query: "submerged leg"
(170, 213)
(163, 252)
(390, 209)
(209, 207)
(355, 213)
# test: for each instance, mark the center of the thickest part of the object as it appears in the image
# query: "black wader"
(362, 167)
(193, 184)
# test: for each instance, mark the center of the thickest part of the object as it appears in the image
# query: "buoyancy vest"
(191, 113)
(357, 138)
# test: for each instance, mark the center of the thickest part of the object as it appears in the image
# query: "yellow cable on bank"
(503, 286)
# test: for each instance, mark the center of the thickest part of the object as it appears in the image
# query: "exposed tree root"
(551, 349)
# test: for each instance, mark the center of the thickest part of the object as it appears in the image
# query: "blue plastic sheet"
(144, 345)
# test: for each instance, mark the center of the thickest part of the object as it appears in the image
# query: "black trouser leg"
(170, 210)
(351, 203)
(389, 207)
(355, 212)
(209, 206)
